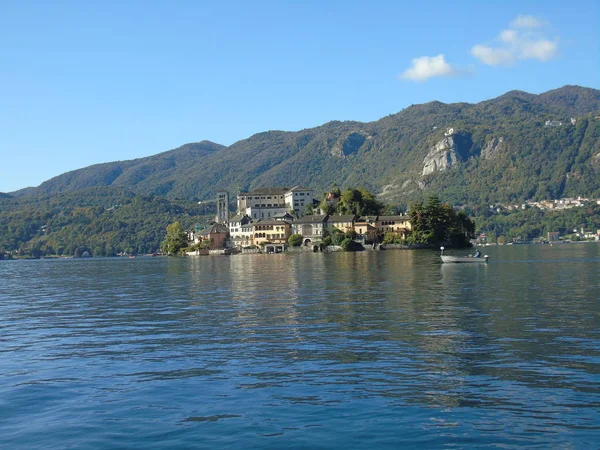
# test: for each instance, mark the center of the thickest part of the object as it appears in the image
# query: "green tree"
(359, 202)
(175, 239)
(295, 240)
(436, 223)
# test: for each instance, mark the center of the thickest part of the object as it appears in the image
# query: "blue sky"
(95, 81)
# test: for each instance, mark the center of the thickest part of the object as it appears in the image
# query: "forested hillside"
(103, 221)
(513, 148)
(500, 150)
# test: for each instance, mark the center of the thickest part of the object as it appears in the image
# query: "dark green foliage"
(175, 240)
(349, 245)
(438, 223)
(103, 221)
(359, 202)
(295, 240)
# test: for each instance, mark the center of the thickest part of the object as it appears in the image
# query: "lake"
(371, 350)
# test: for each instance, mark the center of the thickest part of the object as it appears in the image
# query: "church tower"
(222, 208)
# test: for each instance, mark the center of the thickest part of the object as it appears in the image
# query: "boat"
(463, 259)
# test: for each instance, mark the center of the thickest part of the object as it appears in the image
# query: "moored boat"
(463, 259)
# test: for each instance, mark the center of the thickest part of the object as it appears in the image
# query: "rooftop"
(312, 219)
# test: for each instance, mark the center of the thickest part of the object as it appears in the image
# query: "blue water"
(372, 350)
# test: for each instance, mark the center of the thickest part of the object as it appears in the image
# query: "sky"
(88, 82)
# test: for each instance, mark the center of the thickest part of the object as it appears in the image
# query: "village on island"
(274, 219)
(281, 219)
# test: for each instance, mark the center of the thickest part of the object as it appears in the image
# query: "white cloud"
(493, 56)
(519, 42)
(427, 67)
(524, 21)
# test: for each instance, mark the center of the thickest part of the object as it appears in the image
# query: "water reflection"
(277, 343)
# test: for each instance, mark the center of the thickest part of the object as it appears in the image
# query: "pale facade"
(298, 198)
(310, 227)
(265, 202)
(259, 212)
(261, 198)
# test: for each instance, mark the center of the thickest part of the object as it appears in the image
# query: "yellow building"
(273, 231)
(342, 223)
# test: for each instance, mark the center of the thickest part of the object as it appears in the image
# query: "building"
(365, 227)
(449, 132)
(271, 234)
(342, 223)
(238, 237)
(261, 198)
(393, 224)
(298, 198)
(264, 203)
(222, 207)
(267, 212)
(312, 228)
(285, 216)
(553, 236)
(216, 235)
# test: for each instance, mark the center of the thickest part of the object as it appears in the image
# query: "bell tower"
(222, 207)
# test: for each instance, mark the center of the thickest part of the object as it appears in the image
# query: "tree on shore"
(437, 223)
(295, 240)
(175, 240)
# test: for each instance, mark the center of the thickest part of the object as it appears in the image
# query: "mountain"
(101, 220)
(153, 174)
(511, 148)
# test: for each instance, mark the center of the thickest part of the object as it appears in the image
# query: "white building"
(298, 198)
(266, 212)
(264, 203)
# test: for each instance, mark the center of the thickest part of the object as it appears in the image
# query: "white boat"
(463, 259)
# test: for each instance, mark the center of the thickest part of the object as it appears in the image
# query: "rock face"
(492, 148)
(348, 144)
(441, 156)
